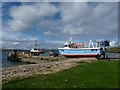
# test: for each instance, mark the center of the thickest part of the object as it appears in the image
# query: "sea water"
(8, 63)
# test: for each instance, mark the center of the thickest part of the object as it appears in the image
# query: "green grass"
(97, 74)
(113, 50)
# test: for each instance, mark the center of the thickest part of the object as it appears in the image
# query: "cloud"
(113, 44)
(69, 29)
(81, 17)
(103, 10)
(73, 11)
(29, 0)
(0, 24)
(60, 0)
(90, 0)
(76, 18)
(16, 39)
(25, 17)
(20, 41)
(58, 21)
(48, 33)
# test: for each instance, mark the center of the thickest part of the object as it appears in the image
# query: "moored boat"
(88, 49)
(36, 51)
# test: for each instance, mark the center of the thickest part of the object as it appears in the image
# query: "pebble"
(24, 70)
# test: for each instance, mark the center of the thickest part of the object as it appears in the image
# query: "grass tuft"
(97, 74)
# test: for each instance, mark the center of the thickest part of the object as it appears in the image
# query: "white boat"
(36, 51)
(88, 49)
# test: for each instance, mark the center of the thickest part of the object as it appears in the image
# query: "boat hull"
(80, 52)
(37, 52)
(79, 55)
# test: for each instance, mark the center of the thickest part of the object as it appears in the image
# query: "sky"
(53, 23)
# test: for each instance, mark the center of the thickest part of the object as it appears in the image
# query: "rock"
(41, 68)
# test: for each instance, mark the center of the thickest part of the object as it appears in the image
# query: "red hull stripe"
(90, 55)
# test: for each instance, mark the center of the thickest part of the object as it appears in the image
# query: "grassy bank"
(97, 74)
(113, 50)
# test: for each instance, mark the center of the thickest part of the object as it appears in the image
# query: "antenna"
(35, 43)
(70, 39)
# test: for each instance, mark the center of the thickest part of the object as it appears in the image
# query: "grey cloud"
(26, 16)
(97, 19)
(76, 20)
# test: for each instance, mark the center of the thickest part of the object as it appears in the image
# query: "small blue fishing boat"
(88, 49)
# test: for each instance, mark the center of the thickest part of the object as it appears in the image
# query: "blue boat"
(88, 49)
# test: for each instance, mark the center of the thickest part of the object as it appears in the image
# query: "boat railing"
(90, 44)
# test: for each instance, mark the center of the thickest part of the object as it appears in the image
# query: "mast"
(35, 43)
(70, 40)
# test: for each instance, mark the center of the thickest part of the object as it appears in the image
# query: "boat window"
(101, 48)
(93, 49)
(65, 45)
(35, 49)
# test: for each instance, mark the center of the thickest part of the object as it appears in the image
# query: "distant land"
(6, 49)
(113, 50)
(109, 50)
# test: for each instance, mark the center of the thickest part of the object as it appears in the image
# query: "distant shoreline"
(113, 50)
(110, 50)
(10, 49)
(5, 49)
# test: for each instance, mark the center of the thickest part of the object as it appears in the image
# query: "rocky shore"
(41, 67)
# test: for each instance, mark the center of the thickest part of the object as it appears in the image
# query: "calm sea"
(7, 63)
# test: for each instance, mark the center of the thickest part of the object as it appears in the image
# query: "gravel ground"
(41, 67)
